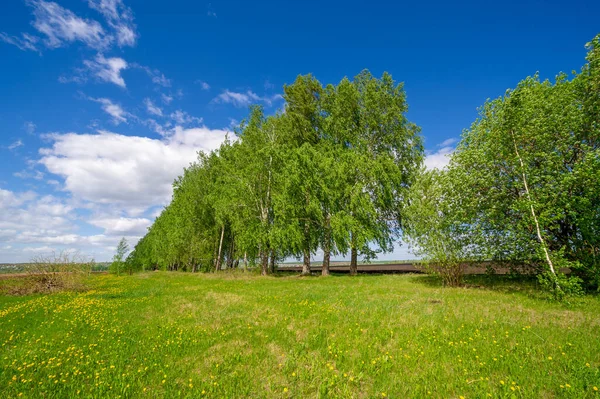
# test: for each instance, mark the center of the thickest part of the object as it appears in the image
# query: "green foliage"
(118, 262)
(524, 180)
(330, 172)
(435, 229)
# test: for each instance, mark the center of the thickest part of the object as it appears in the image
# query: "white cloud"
(62, 26)
(244, 99)
(15, 145)
(448, 142)
(26, 174)
(183, 118)
(157, 76)
(107, 69)
(203, 84)
(29, 127)
(119, 17)
(115, 110)
(126, 172)
(122, 226)
(151, 108)
(210, 11)
(25, 42)
(166, 99)
(10, 199)
(268, 85)
(438, 159)
(31, 224)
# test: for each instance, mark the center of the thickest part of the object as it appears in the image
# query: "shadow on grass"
(525, 285)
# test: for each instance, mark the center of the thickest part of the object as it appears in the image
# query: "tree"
(528, 172)
(118, 263)
(433, 226)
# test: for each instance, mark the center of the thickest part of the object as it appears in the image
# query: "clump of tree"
(523, 183)
(331, 171)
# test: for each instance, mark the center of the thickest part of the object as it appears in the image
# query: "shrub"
(63, 271)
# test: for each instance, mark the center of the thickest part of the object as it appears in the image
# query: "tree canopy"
(330, 171)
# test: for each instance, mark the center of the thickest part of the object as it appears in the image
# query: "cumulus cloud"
(166, 99)
(151, 108)
(122, 225)
(10, 199)
(107, 69)
(438, 159)
(128, 172)
(32, 224)
(244, 99)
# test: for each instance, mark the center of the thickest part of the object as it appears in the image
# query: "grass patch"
(164, 334)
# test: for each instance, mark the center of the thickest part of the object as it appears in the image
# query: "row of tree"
(523, 185)
(340, 169)
(332, 171)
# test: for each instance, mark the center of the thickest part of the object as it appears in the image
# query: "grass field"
(163, 335)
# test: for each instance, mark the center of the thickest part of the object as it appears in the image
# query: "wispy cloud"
(117, 113)
(119, 17)
(448, 142)
(203, 84)
(61, 26)
(108, 69)
(151, 108)
(183, 118)
(57, 26)
(244, 99)
(157, 76)
(15, 145)
(25, 42)
(210, 11)
(29, 127)
(166, 99)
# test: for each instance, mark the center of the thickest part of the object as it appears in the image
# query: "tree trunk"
(353, 258)
(326, 246)
(218, 266)
(214, 258)
(272, 262)
(245, 262)
(264, 261)
(306, 250)
(230, 254)
(535, 219)
(306, 263)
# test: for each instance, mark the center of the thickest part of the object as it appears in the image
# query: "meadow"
(169, 334)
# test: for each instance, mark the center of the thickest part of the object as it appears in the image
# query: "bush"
(62, 271)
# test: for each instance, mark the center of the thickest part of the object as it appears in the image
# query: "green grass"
(163, 335)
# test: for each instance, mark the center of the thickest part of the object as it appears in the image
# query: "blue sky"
(104, 101)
